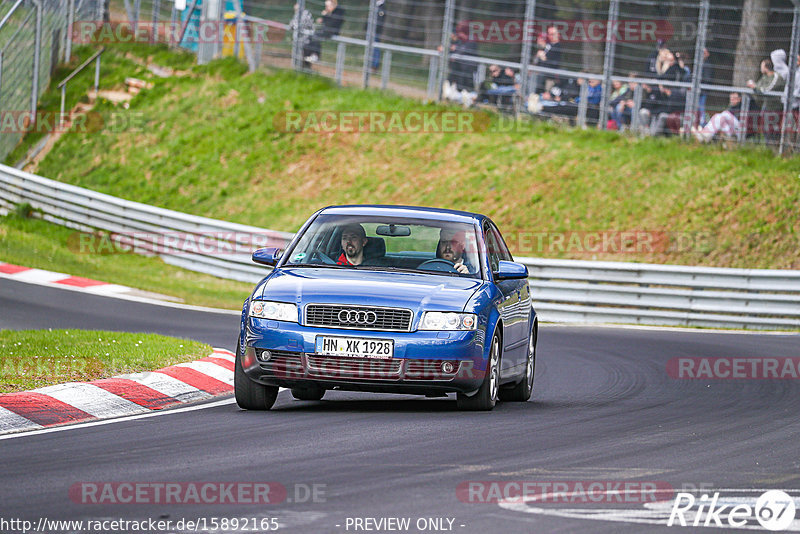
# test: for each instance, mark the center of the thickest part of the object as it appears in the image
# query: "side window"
(501, 245)
(492, 247)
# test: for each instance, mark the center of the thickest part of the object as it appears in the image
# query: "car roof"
(438, 214)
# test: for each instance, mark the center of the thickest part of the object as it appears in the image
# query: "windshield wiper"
(379, 268)
(401, 269)
(324, 265)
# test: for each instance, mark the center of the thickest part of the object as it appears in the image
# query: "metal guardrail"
(563, 290)
(641, 293)
(198, 243)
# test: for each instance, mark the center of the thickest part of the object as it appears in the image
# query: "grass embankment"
(115, 66)
(207, 145)
(28, 362)
(38, 244)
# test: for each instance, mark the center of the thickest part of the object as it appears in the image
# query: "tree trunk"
(752, 36)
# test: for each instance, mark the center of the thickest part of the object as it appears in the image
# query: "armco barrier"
(563, 290)
(197, 243)
(641, 293)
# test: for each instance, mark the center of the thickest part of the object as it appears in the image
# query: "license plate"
(355, 347)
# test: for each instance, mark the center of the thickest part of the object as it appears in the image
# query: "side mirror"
(268, 256)
(510, 270)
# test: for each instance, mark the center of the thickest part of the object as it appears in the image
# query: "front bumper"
(424, 361)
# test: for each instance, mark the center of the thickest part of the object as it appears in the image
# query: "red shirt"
(343, 260)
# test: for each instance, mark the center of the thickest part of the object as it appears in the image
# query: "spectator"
(624, 113)
(541, 46)
(650, 64)
(501, 83)
(465, 69)
(650, 108)
(461, 74)
(620, 93)
(380, 20)
(668, 119)
(778, 58)
(672, 67)
(670, 101)
(725, 123)
(550, 57)
(594, 92)
(553, 103)
(680, 59)
(564, 100)
(329, 25)
(664, 61)
(706, 77)
(769, 107)
(304, 23)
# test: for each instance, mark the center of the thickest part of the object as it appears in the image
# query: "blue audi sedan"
(391, 299)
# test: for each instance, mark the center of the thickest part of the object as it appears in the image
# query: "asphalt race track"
(603, 409)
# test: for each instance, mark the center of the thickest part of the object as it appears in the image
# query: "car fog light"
(264, 355)
(447, 367)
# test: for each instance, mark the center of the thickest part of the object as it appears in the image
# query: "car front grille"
(367, 368)
(360, 317)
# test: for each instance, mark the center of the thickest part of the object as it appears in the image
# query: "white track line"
(132, 298)
(159, 413)
(117, 420)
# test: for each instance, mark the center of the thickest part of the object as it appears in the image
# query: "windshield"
(388, 243)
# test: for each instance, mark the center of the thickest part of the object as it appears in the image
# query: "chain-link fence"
(33, 39)
(614, 64)
(690, 68)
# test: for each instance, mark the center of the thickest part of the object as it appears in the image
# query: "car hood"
(418, 292)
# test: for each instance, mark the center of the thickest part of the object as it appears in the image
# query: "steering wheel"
(322, 257)
(438, 264)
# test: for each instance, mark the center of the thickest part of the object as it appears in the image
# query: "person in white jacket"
(778, 58)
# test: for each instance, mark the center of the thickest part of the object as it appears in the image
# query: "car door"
(513, 309)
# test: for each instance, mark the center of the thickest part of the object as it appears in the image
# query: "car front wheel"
(251, 395)
(521, 392)
(486, 397)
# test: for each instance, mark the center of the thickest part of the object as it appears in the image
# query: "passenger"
(354, 238)
(452, 245)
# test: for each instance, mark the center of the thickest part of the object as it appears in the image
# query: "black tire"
(308, 393)
(521, 392)
(251, 395)
(486, 397)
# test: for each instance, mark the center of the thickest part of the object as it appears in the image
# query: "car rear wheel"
(308, 393)
(251, 395)
(486, 397)
(521, 392)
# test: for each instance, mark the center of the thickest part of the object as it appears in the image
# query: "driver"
(451, 248)
(354, 238)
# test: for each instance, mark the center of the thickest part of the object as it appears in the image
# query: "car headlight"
(448, 321)
(277, 311)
